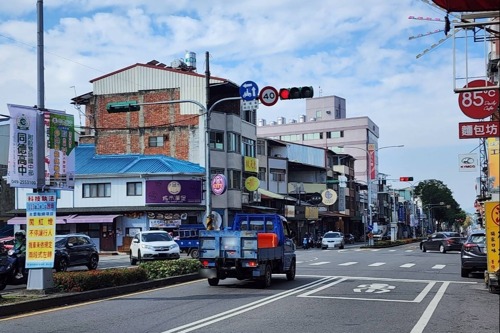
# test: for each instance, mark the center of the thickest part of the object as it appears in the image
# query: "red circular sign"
(479, 104)
(268, 96)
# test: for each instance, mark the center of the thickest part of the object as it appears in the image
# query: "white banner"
(468, 162)
(23, 169)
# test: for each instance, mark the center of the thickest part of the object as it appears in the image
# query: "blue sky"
(360, 51)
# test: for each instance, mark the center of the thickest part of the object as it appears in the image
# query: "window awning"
(59, 219)
(263, 208)
(93, 219)
(272, 195)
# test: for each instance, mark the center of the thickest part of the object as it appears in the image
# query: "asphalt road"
(396, 289)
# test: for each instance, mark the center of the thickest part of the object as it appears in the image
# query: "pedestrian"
(304, 242)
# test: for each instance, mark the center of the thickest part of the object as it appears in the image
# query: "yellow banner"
(251, 164)
(492, 216)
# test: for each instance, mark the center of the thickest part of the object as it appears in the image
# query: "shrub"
(96, 279)
(166, 268)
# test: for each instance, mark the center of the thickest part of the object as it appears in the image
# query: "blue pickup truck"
(255, 247)
(187, 238)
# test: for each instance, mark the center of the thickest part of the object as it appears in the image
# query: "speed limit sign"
(479, 104)
(268, 96)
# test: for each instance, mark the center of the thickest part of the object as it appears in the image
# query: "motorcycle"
(8, 270)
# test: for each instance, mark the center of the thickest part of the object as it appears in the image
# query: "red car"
(8, 242)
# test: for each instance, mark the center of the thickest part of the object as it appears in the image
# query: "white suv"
(153, 245)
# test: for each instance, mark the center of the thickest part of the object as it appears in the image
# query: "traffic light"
(296, 93)
(127, 106)
(405, 179)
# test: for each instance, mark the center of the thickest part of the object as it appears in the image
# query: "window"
(234, 179)
(248, 147)
(217, 140)
(157, 141)
(216, 171)
(250, 116)
(313, 136)
(233, 142)
(102, 190)
(134, 189)
(290, 137)
(261, 147)
(278, 175)
(334, 134)
(318, 114)
(262, 174)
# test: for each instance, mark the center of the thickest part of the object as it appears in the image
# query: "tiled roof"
(88, 163)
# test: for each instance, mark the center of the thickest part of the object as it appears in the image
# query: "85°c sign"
(479, 104)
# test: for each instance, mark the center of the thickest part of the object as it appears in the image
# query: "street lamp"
(371, 150)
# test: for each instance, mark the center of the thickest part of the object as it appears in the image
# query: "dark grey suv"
(473, 254)
(75, 250)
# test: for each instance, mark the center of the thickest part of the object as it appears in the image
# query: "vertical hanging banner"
(59, 150)
(40, 229)
(25, 168)
(371, 166)
(492, 216)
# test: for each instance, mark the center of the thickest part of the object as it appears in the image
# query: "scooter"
(8, 270)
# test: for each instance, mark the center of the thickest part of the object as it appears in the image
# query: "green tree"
(434, 193)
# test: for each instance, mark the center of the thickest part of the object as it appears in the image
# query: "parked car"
(332, 239)
(153, 245)
(349, 239)
(380, 235)
(8, 242)
(442, 241)
(75, 250)
(473, 253)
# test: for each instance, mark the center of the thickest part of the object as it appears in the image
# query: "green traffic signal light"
(296, 92)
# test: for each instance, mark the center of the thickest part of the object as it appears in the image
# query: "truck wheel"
(290, 275)
(266, 281)
(213, 282)
(194, 253)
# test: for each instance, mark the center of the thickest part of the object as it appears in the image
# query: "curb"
(48, 301)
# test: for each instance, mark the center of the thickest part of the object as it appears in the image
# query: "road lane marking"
(426, 316)
(348, 263)
(438, 266)
(407, 265)
(375, 264)
(247, 307)
(320, 263)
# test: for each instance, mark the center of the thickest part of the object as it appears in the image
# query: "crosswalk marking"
(438, 266)
(320, 263)
(407, 265)
(349, 263)
(377, 264)
(392, 250)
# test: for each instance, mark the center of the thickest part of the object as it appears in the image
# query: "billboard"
(173, 191)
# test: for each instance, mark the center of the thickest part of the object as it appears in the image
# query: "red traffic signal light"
(296, 92)
(405, 179)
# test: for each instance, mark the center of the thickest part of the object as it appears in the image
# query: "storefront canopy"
(272, 195)
(67, 219)
(468, 5)
(22, 219)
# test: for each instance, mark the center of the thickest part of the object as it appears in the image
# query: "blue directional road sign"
(369, 227)
(249, 91)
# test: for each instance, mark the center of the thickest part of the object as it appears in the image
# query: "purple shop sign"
(219, 184)
(173, 191)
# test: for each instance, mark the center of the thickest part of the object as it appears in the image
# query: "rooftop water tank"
(281, 120)
(262, 122)
(302, 118)
(190, 59)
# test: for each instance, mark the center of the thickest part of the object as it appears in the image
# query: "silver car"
(332, 239)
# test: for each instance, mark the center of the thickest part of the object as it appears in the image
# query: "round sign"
(315, 199)
(252, 183)
(479, 104)
(219, 184)
(249, 91)
(329, 197)
(268, 96)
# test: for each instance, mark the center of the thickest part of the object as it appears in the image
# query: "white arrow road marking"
(407, 265)
(348, 263)
(375, 264)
